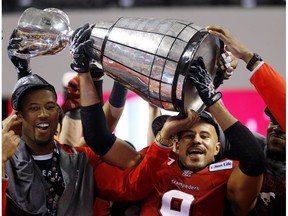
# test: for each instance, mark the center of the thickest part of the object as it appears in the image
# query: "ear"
(19, 116)
(217, 148)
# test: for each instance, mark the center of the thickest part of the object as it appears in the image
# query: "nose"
(43, 112)
(197, 139)
(277, 128)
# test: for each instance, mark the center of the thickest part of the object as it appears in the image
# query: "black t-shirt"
(44, 163)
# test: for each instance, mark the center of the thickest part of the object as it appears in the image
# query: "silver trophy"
(151, 57)
(43, 32)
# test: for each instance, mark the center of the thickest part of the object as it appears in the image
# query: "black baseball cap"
(27, 83)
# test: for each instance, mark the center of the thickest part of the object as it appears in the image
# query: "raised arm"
(97, 134)
(270, 85)
(153, 113)
(22, 65)
(137, 182)
(245, 181)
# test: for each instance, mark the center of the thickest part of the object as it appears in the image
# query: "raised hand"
(80, 49)
(237, 48)
(203, 82)
(10, 140)
(227, 63)
(22, 65)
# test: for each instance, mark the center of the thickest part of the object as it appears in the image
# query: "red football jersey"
(182, 192)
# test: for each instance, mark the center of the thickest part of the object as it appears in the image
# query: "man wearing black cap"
(44, 177)
(194, 184)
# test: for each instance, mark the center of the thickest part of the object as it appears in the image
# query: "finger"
(227, 65)
(10, 122)
(80, 32)
(77, 33)
(85, 26)
(15, 40)
(201, 62)
(227, 59)
(84, 36)
(230, 69)
(16, 139)
(13, 33)
(227, 74)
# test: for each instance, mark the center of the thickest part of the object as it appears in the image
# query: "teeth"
(42, 125)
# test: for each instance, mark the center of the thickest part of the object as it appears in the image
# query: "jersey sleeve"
(271, 86)
(133, 183)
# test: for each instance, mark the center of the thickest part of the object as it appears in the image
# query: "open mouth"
(194, 151)
(42, 126)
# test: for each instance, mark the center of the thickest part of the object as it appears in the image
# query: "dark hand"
(79, 49)
(227, 63)
(22, 65)
(96, 72)
(203, 82)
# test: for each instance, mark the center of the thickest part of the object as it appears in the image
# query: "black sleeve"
(96, 132)
(246, 149)
(118, 95)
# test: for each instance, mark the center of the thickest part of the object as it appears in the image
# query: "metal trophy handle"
(151, 57)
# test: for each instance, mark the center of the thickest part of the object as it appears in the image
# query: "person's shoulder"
(68, 148)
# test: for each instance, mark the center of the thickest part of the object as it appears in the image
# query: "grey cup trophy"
(151, 57)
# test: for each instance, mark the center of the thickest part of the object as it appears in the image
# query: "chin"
(43, 142)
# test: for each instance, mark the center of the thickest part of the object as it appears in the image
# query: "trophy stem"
(65, 37)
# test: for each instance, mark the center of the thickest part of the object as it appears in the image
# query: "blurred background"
(260, 24)
(16, 5)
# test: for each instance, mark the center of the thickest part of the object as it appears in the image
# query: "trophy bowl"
(43, 32)
(151, 57)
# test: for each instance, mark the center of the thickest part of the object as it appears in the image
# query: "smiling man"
(44, 177)
(194, 182)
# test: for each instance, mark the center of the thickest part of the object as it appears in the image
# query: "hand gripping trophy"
(151, 57)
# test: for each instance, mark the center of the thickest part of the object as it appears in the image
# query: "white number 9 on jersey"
(176, 203)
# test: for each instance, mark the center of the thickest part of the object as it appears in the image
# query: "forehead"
(202, 126)
(39, 95)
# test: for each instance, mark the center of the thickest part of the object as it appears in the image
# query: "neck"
(36, 149)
